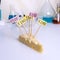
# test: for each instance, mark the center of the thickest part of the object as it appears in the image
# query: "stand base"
(31, 42)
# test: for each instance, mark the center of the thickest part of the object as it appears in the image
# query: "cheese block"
(31, 42)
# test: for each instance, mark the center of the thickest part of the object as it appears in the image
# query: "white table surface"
(12, 49)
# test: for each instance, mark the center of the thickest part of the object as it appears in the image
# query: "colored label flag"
(23, 20)
(33, 14)
(28, 17)
(42, 22)
(13, 20)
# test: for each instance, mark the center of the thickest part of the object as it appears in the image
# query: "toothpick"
(29, 28)
(21, 30)
(41, 22)
(37, 31)
(24, 29)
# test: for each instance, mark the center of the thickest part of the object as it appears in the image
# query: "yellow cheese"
(31, 42)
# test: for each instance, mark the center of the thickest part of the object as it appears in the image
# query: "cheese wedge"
(31, 42)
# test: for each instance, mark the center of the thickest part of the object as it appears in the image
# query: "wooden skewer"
(31, 26)
(24, 29)
(21, 30)
(37, 31)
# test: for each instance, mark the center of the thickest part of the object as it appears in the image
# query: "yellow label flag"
(42, 22)
(28, 17)
(23, 20)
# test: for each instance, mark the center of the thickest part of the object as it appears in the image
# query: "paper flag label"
(33, 14)
(22, 21)
(13, 20)
(28, 17)
(42, 22)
